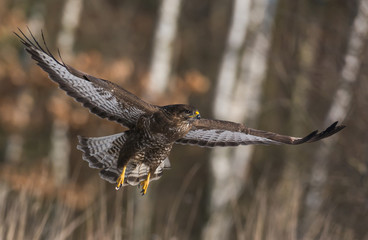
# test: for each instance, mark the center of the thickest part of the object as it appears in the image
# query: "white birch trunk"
(237, 98)
(161, 62)
(60, 145)
(161, 65)
(69, 23)
(21, 116)
(15, 142)
(340, 105)
(60, 151)
(14, 148)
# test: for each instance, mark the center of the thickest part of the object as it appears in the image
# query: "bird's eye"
(188, 112)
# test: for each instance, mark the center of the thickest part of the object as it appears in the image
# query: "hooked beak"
(195, 115)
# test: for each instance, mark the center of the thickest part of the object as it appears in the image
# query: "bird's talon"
(144, 184)
(120, 180)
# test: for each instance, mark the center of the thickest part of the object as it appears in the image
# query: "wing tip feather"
(316, 135)
(32, 46)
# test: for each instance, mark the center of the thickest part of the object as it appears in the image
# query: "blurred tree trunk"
(338, 110)
(60, 150)
(292, 63)
(14, 148)
(60, 144)
(237, 98)
(70, 20)
(21, 119)
(160, 70)
(161, 62)
(24, 103)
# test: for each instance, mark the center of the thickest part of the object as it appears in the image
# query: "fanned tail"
(138, 173)
(103, 153)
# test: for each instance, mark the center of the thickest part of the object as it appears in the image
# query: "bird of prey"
(140, 154)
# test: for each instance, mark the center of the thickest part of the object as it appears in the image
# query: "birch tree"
(237, 98)
(60, 145)
(160, 70)
(24, 102)
(161, 62)
(340, 105)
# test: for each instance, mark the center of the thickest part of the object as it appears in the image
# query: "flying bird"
(140, 154)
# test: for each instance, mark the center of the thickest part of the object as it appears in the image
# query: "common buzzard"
(140, 154)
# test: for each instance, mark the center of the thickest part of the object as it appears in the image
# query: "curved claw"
(120, 180)
(144, 184)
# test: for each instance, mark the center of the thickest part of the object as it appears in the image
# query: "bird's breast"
(158, 128)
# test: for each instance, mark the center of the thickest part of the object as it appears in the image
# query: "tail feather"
(110, 174)
(134, 174)
(137, 173)
(103, 153)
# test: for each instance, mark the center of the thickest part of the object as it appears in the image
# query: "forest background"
(279, 65)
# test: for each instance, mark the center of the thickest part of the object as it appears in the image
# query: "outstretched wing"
(102, 97)
(212, 133)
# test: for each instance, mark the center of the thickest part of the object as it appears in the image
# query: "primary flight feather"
(140, 154)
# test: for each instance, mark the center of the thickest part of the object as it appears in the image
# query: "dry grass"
(33, 209)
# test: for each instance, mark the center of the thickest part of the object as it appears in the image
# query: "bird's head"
(182, 111)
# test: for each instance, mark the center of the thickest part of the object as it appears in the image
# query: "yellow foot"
(120, 180)
(144, 184)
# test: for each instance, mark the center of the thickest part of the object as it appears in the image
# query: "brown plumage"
(139, 155)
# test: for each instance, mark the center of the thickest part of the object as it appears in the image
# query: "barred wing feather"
(102, 97)
(219, 137)
(212, 133)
